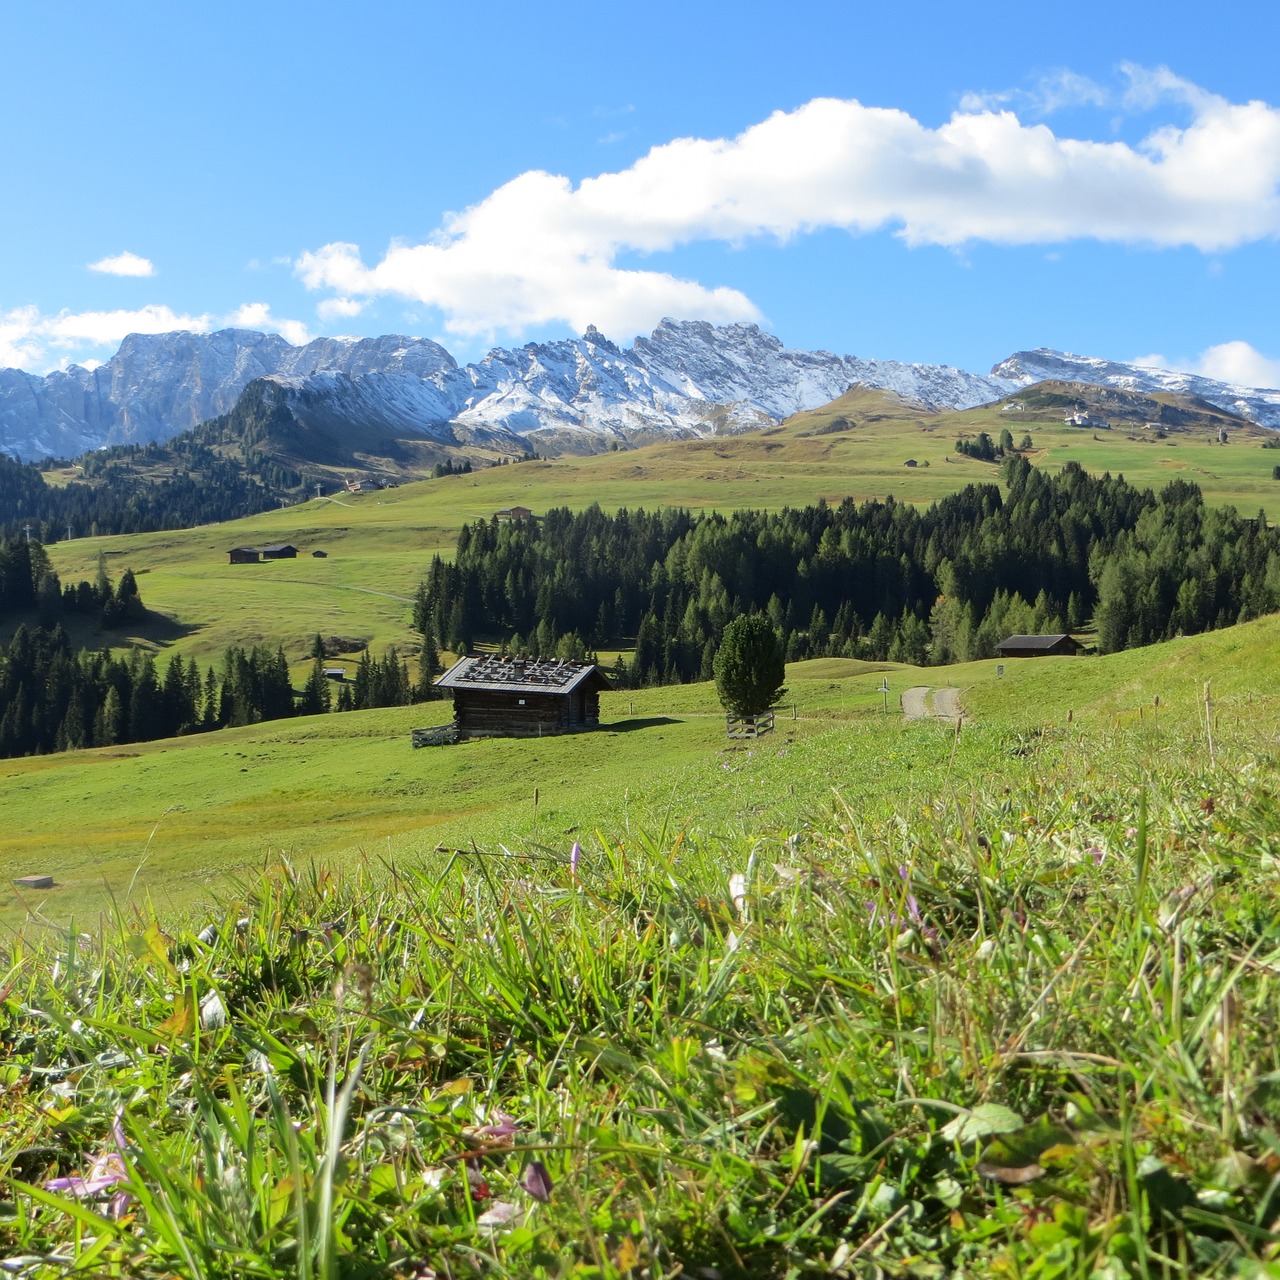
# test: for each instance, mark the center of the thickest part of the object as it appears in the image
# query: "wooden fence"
(749, 726)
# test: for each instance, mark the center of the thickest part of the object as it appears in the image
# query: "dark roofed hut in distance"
(243, 555)
(1038, 647)
(279, 551)
(523, 697)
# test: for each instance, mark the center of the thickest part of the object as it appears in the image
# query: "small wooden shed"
(1038, 646)
(496, 697)
(279, 551)
(243, 555)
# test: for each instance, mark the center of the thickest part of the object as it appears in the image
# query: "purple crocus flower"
(502, 1126)
(575, 857)
(104, 1173)
(537, 1181)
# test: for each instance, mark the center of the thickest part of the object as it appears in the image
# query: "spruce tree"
(749, 666)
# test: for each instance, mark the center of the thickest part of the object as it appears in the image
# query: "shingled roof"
(1036, 644)
(520, 675)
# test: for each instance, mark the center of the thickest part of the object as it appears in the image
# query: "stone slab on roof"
(521, 675)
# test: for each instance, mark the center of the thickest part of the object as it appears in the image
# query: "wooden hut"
(279, 551)
(243, 555)
(523, 697)
(1038, 646)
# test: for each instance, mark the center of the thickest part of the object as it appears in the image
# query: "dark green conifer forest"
(55, 698)
(879, 580)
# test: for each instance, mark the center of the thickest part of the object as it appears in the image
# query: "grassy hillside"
(378, 544)
(174, 819)
(863, 998)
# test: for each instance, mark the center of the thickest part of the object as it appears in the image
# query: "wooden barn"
(279, 551)
(243, 555)
(497, 697)
(1038, 647)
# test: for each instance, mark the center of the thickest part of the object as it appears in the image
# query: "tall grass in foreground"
(1031, 1032)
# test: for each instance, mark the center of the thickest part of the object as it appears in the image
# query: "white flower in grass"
(738, 892)
(501, 1213)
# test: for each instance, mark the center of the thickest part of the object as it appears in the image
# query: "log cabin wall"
(483, 713)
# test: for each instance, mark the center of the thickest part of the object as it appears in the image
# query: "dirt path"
(340, 586)
(946, 703)
(921, 702)
(914, 704)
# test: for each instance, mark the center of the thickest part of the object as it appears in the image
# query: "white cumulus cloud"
(1240, 363)
(540, 250)
(32, 340)
(339, 308)
(257, 315)
(124, 264)
(1050, 92)
(1237, 362)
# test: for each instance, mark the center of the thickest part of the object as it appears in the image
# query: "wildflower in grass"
(500, 1128)
(738, 892)
(476, 1183)
(501, 1213)
(575, 857)
(105, 1172)
(537, 1181)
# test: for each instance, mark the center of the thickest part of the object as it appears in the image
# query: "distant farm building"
(523, 698)
(319, 555)
(1038, 647)
(514, 513)
(362, 486)
(335, 673)
(1086, 420)
(279, 551)
(243, 555)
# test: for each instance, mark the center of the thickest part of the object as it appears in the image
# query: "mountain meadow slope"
(378, 544)
(874, 994)
(866, 996)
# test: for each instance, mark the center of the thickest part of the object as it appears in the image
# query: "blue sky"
(936, 182)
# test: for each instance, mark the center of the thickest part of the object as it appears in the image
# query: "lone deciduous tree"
(749, 666)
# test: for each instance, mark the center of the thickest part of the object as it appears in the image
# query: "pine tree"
(749, 666)
(424, 689)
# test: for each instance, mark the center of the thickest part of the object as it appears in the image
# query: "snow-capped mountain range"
(687, 378)
(1259, 404)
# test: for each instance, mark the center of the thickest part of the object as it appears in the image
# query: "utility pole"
(28, 529)
(318, 487)
(68, 533)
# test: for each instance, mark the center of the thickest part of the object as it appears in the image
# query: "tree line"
(55, 698)
(131, 489)
(877, 580)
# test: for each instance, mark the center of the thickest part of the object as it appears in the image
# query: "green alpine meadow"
(961, 970)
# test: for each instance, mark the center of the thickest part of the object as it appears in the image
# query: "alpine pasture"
(864, 996)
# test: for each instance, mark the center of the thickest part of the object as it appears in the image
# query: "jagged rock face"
(157, 385)
(1259, 404)
(687, 378)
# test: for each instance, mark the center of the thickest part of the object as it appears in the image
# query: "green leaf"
(981, 1122)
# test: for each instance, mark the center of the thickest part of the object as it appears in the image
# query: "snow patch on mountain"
(686, 378)
(1259, 404)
